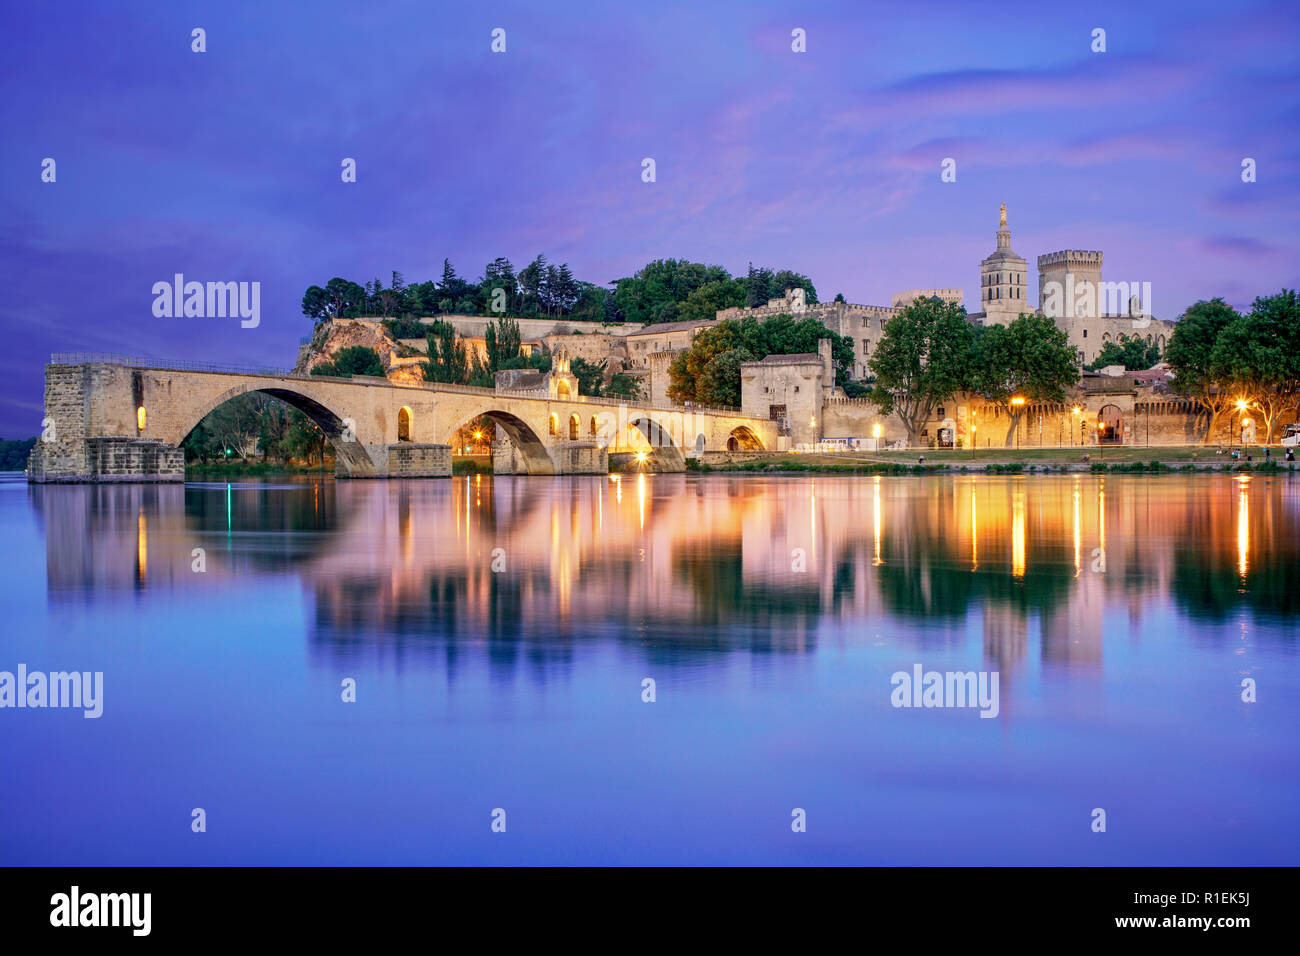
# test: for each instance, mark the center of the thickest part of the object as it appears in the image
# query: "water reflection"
(700, 564)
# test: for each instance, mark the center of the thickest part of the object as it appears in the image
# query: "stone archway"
(350, 455)
(528, 449)
(742, 438)
(1111, 421)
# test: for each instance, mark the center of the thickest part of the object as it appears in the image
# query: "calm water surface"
(1122, 615)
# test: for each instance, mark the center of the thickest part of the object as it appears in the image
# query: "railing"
(176, 365)
(180, 365)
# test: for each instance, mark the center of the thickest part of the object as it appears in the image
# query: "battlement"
(1082, 257)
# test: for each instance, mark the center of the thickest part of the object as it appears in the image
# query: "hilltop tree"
(922, 361)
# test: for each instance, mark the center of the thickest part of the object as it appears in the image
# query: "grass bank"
(1001, 462)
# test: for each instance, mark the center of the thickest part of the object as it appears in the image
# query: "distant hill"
(13, 454)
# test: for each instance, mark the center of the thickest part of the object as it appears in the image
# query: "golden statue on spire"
(1003, 221)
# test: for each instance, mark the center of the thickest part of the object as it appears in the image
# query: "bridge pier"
(105, 460)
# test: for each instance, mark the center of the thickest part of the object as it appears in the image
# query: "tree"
(590, 375)
(922, 361)
(503, 342)
(448, 361)
(704, 303)
(1254, 359)
(1030, 358)
(339, 298)
(1132, 353)
(1189, 355)
(353, 360)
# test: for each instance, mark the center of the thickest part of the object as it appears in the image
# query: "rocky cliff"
(332, 337)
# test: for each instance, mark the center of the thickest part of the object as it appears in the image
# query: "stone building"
(790, 390)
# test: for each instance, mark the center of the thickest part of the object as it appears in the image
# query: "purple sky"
(225, 165)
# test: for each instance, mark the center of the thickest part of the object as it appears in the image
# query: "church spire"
(1002, 222)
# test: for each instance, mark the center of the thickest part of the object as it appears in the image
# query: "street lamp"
(1019, 402)
(1241, 407)
(1101, 427)
(1076, 411)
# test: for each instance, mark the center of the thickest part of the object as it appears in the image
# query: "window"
(403, 424)
(593, 424)
(941, 411)
(555, 424)
(796, 389)
(1085, 333)
(574, 427)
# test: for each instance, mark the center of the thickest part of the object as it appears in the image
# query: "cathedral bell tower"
(1002, 280)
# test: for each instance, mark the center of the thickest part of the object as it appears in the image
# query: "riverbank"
(1179, 459)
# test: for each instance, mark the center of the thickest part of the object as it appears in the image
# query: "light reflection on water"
(499, 631)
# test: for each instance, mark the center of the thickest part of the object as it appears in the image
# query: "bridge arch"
(350, 453)
(742, 438)
(521, 435)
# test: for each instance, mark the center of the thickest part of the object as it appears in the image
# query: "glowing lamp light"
(1241, 404)
(1076, 410)
(1018, 400)
(478, 436)
(640, 456)
(876, 430)
(140, 418)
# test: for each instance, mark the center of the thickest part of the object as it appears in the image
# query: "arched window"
(593, 426)
(574, 427)
(403, 424)
(555, 424)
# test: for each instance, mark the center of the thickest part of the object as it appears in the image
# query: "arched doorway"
(1111, 431)
(403, 424)
(742, 438)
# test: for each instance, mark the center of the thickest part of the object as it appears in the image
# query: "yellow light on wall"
(876, 430)
(140, 418)
(1076, 410)
(1018, 400)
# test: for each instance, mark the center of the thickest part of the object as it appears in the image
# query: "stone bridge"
(118, 419)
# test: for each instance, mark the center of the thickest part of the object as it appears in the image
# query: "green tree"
(1030, 359)
(353, 360)
(448, 360)
(504, 343)
(1189, 355)
(704, 303)
(1254, 359)
(1132, 353)
(922, 361)
(590, 375)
